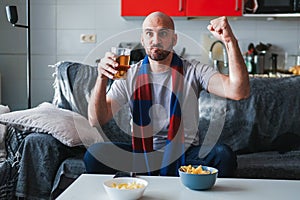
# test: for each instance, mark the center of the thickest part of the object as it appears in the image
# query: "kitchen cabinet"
(188, 8)
(196, 8)
(145, 7)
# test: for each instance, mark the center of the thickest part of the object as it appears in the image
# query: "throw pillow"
(70, 128)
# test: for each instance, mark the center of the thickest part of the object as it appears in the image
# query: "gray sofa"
(264, 130)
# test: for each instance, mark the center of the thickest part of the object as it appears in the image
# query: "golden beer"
(123, 60)
(123, 66)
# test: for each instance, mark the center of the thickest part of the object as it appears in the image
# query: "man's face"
(158, 41)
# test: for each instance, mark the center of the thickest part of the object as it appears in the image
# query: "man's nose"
(156, 39)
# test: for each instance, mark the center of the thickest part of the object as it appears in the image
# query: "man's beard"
(159, 54)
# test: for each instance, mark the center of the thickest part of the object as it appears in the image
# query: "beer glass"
(123, 58)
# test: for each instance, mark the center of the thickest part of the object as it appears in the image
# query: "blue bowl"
(199, 181)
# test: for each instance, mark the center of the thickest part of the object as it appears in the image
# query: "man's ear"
(174, 40)
(142, 40)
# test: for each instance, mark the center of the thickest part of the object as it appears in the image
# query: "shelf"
(273, 15)
(270, 75)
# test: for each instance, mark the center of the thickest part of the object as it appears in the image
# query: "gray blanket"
(253, 124)
(72, 86)
(41, 156)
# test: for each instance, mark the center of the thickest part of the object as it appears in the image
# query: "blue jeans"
(98, 155)
(220, 156)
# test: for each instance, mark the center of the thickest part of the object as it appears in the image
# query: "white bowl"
(125, 194)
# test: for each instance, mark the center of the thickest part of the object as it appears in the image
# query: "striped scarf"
(142, 138)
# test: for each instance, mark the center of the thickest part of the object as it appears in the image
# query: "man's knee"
(225, 151)
(102, 157)
(228, 160)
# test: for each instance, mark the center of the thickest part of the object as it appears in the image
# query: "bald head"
(156, 19)
(158, 37)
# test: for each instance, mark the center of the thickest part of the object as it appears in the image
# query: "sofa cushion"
(68, 127)
(270, 164)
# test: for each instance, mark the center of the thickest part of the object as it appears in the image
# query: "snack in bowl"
(198, 177)
(125, 188)
(295, 70)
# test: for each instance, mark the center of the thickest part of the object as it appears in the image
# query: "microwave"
(272, 6)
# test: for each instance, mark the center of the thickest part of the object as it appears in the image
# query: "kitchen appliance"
(272, 6)
(274, 63)
(257, 58)
(250, 58)
(260, 59)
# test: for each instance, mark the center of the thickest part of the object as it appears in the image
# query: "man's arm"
(99, 108)
(235, 85)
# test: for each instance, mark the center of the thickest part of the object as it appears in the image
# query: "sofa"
(264, 130)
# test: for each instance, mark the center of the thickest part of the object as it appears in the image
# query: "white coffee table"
(90, 186)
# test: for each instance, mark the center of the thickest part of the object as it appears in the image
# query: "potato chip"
(128, 186)
(192, 170)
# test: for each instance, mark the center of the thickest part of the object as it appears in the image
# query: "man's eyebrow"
(161, 29)
(148, 29)
(164, 29)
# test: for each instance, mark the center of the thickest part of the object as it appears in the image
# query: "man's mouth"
(156, 49)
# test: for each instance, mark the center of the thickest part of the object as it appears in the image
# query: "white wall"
(56, 26)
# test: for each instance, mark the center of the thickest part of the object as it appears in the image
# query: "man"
(163, 92)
